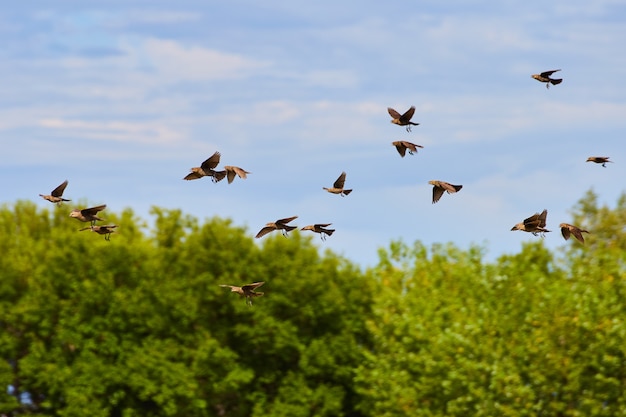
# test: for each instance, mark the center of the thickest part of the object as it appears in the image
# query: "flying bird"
(440, 186)
(402, 119)
(321, 229)
(535, 224)
(568, 229)
(597, 159)
(402, 146)
(88, 214)
(102, 230)
(56, 194)
(246, 291)
(544, 77)
(207, 169)
(337, 187)
(231, 171)
(280, 224)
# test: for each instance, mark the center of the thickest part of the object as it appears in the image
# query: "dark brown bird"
(88, 214)
(246, 291)
(280, 224)
(544, 77)
(102, 230)
(56, 194)
(599, 160)
(231, 171)
(337, 187)
(568, 229)
(402, 146)
(321, 229)
(402, 119)
(535, 224)
(440, 186)
(207, 170)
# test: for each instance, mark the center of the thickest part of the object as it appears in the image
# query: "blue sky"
(123, 99)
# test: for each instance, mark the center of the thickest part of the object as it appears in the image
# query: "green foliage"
(138, 326)
(455, 337)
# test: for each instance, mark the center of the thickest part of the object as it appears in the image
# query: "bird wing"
(548, 73)
(542, 218)
(219, 175)
(58, 192)
(408, 114)
(252, 286)
(286, 220)
(394, 114)
(242, 173)
(193, 176)
(412, 147)
(265, 231)
(322, 224)
(437, 193)
(340, 181)
(448, 187)
(230, 174)
(227, 286)
(400, 147)
(92, 211)
(565, 232)
(532, 220)
(578, 234)
(211, 162)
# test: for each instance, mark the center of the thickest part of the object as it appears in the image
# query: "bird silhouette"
(402, 146)
(231, 171)
(402, 119)
(207, 169)
(568, 229)
(246, 291)
(535, 224)
(88, 214)
(105, 230)
(544, 77)
(280, 224)
(56, 194)
(599, 160)
(321, 229)
(439, 187)
(337, 187)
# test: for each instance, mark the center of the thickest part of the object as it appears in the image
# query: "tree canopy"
(138, 325)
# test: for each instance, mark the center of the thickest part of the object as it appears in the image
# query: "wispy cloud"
(148, 133)
(175, 62)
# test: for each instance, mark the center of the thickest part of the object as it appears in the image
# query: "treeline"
(138, 326)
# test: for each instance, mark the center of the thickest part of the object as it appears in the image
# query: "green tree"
(138, 326)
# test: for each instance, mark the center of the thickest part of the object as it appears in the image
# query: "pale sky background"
(123, 97)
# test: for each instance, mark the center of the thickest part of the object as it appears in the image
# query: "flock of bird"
(535, 224)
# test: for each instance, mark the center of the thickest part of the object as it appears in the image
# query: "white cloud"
(114, 130)
(175, 62)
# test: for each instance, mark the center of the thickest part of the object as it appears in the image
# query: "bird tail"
(457, 187)
(329, 232)
(556, 81)
(290, 228)
(219, 175)
(346, 192)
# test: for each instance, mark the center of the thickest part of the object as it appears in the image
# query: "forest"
(139, 326)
